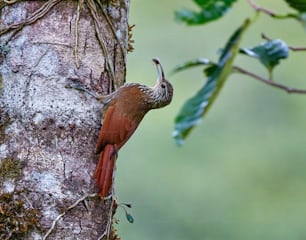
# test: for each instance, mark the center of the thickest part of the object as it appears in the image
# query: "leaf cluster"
(269, 53)
(208, 11)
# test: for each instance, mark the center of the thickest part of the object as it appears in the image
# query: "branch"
(269, 82)
(261, 9)
(295, 49)
(271, 13)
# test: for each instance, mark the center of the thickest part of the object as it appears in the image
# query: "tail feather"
(104, 170)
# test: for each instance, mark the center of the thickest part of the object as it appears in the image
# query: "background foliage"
(241, 175)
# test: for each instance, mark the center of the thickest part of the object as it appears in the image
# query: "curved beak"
(160, 70)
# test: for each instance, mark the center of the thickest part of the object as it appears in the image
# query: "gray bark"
(47, 131)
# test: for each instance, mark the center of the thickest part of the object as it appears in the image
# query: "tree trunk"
(48, 132)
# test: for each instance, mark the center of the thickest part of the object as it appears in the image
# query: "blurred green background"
(242, 173)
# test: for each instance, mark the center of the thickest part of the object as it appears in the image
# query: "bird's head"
(163, 90)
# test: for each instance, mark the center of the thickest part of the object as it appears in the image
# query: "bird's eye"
(163, 85)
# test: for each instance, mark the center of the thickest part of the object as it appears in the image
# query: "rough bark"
(47, 131)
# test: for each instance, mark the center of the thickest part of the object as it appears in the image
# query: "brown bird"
(123, 111)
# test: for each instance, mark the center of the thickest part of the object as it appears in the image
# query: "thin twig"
(295, 49)
(273, 14)
(270, 82)
(63, 213)
(261, 9)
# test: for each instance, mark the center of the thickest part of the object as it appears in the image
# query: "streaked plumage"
(125, 109)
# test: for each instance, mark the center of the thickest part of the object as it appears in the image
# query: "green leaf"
(209, 10)
(193, 63)
(196, 107)
(129, 217)
(210, 70)
(268, 53)
(299, 5)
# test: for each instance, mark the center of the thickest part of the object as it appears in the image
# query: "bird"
(123, 110)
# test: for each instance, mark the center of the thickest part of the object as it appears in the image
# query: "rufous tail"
(104, 170)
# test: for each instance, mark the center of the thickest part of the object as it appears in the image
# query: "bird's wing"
(116, 129)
